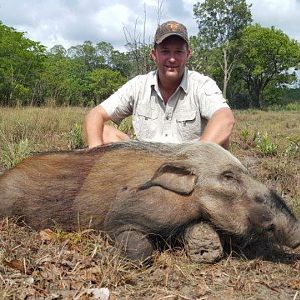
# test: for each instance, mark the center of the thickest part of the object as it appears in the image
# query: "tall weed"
(265, 145)
(13, 152)
(75, 137)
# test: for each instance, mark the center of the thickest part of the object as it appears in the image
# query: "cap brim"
(162, 38)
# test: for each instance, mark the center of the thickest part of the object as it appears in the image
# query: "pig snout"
(272, 216)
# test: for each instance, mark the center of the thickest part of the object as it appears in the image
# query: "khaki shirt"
(182, 118)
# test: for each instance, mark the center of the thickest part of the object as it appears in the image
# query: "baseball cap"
(170, 28)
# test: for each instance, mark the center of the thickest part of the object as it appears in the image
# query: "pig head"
(137, 191)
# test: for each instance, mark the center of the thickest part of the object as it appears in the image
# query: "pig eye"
(229, 176)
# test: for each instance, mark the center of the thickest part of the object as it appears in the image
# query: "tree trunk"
(225, 70)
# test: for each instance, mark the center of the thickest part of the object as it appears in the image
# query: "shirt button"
(166, 134)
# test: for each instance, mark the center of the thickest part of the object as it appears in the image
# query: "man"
(169, 105)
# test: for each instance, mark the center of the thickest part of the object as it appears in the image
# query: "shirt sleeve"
(120, 104)
(211, 99)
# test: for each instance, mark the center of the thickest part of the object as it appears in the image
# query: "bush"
(75, 138)
(13, 153)
(265, 145)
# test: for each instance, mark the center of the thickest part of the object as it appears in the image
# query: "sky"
(72, 22)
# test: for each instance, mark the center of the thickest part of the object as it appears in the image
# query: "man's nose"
(172, 58)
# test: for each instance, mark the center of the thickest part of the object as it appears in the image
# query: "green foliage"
(291, 95)
(245, 134)
(103, 82)
(75, 138)
(293, 106)
(64, 80)
(293, 148)
(265, 145)
(266, 55)
(220, 21)
(21, 61)
(30, 76)
(273, 95)
(139, 56)
(285, 107)
(251, 64)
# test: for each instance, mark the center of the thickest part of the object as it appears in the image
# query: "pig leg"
(134, 245)
(202, 243)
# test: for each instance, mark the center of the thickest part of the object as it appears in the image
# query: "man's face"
(171, 57)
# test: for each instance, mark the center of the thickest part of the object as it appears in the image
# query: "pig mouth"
(261, 228)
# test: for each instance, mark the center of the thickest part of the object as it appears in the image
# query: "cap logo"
(173, 27)
(169, 28)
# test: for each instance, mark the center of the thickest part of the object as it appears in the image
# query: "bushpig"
(139, 191)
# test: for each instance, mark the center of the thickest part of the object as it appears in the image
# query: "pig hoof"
(202, 243)
(134, 246)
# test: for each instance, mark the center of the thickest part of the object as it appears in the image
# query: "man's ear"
(173, 177)
(190, 53)
(153, 54)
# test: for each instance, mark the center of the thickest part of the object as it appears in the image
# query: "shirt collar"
(183, 84)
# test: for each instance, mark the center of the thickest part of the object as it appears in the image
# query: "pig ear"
(175, 178)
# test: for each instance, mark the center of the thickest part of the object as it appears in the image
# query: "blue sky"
(71, 22)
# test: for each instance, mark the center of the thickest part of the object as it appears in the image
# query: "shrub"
(75, 138)
(245, 135)
(293, 148)
(293, 106)
(265, 145)
(13, 153)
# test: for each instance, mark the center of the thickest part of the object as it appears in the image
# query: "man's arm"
(219, 127)
(94, 126)
(97, 132)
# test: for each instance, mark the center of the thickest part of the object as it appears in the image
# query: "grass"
(59, 265)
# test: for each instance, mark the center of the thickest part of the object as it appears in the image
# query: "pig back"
(125, 169)
(72, 188)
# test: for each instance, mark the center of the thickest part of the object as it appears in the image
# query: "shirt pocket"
(188, 125)
(145, 123)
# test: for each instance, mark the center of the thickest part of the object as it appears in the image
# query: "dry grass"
(59, 265)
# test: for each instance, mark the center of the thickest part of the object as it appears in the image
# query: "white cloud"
(283, 15)
(71, 22)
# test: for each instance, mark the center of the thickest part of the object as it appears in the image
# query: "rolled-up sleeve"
(211, 99)
(120, 104)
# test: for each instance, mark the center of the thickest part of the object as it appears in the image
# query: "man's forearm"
(94, 125)
(219, 127)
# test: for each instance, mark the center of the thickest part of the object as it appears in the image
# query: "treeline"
(255, 66)
(81, 75)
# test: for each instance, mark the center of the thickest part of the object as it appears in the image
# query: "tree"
(21, 62)
(121, 62)
(267, 54)
(83, 74)
(219, 23)
(87, 55)
(114, 59)
(104, 82)
(60, 80)
(203, 59)
(138, 51)
(58, 50)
